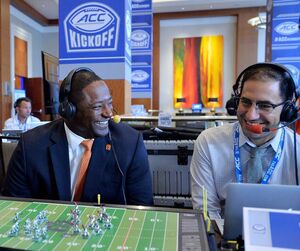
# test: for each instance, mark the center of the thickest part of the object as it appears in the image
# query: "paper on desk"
(271, 229)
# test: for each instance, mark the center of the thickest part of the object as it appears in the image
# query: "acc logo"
(140, 39)
(139, 76)
(91, 27)
(287, 28)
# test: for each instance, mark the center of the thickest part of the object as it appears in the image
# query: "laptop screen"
(241, 195)
(11, 132)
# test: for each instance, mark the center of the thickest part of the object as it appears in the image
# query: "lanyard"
(237, 158)
(22, 126)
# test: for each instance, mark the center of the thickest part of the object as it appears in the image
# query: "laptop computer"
(241, 195)
(11, 132)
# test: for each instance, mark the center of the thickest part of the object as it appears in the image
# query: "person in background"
(84, 154)
(23, 118)
(257, 148)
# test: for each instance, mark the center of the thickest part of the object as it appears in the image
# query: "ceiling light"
(258, 22)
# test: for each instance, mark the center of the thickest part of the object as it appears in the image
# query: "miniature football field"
(23, 227)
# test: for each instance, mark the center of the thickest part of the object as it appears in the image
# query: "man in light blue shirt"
(22, 119)
(265, 96)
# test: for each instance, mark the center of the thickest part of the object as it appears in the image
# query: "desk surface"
(180, 118)
(133, 228)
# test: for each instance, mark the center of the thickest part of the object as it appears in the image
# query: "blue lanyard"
(237, 158)
(22, 126)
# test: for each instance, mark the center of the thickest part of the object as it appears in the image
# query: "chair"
(6, 151)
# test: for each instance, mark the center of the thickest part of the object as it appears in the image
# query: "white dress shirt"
(213, 168)
(14, 123)
(75, 155)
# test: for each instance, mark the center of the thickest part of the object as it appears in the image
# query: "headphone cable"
(295, 154)
(119, 168)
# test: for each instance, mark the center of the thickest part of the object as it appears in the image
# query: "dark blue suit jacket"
(39, 167)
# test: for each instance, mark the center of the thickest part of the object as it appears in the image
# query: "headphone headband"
(66, 108)
(284, 71)
(66, 85)
(289, 111)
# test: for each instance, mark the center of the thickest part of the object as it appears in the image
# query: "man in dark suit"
(46, 162)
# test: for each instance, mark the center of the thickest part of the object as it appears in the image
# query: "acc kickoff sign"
(286, 35)
(92, 27)
(92, 30)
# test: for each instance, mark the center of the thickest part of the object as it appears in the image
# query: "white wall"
(38, 39)
(194, 27)
(41, 39)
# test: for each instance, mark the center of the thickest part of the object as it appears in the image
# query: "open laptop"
(11, 132)
(241, 195)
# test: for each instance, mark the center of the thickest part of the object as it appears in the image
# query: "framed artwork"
(198, 71)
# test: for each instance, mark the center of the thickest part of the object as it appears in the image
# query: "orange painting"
(198, 70)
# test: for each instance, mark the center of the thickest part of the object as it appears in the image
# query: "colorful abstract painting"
(198, 70)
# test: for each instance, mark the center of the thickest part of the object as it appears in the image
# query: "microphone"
(116, 118)
(258, 128)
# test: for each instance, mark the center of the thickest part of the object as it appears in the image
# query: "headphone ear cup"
(66, 109)
(289, 112)
(231, 106)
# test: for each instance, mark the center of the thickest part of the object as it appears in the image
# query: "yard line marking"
(126, 237)
(163, 247)
(12, 239)
(151, 240)
(141, 230)
(177, 233)
(3, 216)
(115, 210)
(36, 206)
(115, 235)
(54, 220)
(62, 239)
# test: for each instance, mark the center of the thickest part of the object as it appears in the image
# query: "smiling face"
(265, 92)
(93, 111)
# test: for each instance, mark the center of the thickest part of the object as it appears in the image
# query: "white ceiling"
(49, 8)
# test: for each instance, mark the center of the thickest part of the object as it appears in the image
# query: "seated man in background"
(22, 119)
(84, 154)
(257, 148)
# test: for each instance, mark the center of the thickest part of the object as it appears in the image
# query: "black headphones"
(289, 111)
(66, 108)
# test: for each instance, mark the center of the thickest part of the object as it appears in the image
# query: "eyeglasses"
(262, 106)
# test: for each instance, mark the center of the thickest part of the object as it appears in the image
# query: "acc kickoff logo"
(139, 76)
(140, 39)
(91, 27)
(287, 28)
